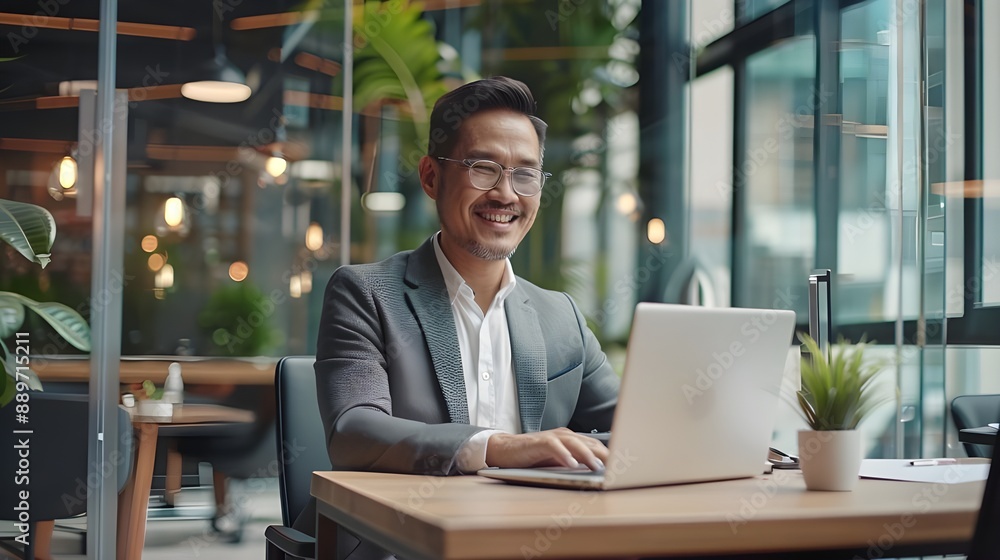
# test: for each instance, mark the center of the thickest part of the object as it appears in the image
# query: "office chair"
(301, 450)
(986, 539)
(57, 456)
(975, 411)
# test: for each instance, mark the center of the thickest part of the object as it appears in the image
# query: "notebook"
(698, 400)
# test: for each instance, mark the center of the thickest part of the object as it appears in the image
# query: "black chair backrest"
(301, 438)
(975, 411)
(56, 455)
(986, 541)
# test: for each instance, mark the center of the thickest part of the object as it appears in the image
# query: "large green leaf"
(28, 228)
(67, 322)
(11, 315)
(7, 387)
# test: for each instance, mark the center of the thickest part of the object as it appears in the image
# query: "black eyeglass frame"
(469, 163)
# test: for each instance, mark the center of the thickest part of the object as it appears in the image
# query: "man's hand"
(551, 448)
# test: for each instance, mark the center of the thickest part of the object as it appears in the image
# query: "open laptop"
(698, 400)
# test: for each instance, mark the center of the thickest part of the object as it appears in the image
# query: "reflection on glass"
(776, 174)
(868, 211)
(990, 272)
(711, 196)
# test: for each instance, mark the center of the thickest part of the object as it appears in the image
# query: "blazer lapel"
(428, 296)
(527, 349)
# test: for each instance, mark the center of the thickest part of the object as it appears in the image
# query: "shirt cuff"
(472, 454)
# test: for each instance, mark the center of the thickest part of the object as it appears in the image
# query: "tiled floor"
(184, 538)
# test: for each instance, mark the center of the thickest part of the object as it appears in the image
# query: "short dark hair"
(454, 107)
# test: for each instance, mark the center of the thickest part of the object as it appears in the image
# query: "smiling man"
(442, 361)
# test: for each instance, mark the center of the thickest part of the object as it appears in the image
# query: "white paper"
(901, 469)
(994, 425)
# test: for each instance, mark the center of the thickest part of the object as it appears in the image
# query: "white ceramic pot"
(154, 409)
(830, 460)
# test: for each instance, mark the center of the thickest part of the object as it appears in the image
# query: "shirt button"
(486, 376)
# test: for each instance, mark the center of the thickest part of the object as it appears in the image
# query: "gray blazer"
(389, 372)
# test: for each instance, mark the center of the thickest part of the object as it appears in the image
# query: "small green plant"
(838, 389)
(152, 391)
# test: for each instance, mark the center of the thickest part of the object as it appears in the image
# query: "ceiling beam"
(150, 30)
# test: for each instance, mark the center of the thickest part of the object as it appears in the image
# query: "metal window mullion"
(109, 135)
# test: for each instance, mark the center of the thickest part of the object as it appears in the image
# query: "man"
(441, 361)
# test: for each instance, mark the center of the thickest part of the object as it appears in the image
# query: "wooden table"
(236, 371)
(475, 518)
(134, 498)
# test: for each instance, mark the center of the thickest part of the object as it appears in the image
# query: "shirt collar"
(456, 284)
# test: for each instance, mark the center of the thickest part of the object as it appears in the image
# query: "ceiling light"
(383, 201)
(217, 81)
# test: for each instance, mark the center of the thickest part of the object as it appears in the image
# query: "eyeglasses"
(485, 175)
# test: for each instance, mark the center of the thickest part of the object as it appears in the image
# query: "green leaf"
(11, 316)
(7, 387)
(28, 228)
(152, 392)
(65, 320)
(838, 387)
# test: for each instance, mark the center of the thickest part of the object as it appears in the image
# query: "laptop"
(698, 400)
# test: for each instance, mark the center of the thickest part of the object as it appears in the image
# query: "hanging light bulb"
(276, 165)
(67, 172)
(173, 212)
(173, 217)
(314, 236)
(656, 231)
(164, 277)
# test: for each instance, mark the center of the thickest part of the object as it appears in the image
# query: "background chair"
(301, 450)
(986, 540)
(235, 451)
(58, 463)
(975, 411)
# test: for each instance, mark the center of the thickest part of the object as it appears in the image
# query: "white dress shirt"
(484, 341)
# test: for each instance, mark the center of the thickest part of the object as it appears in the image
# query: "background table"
(134, 498)
(471, 517)
(195, 370)
(980, 436)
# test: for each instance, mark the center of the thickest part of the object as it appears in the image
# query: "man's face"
(487, 224)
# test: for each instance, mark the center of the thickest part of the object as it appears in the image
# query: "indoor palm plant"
(838, 390)
(31, 230)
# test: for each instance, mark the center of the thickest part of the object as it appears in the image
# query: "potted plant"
(837, 391)
(151, 404)
(31, 230)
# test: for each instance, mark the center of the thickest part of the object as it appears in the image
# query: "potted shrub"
(837, 392)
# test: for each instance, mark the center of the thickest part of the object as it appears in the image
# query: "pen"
(933, 462)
